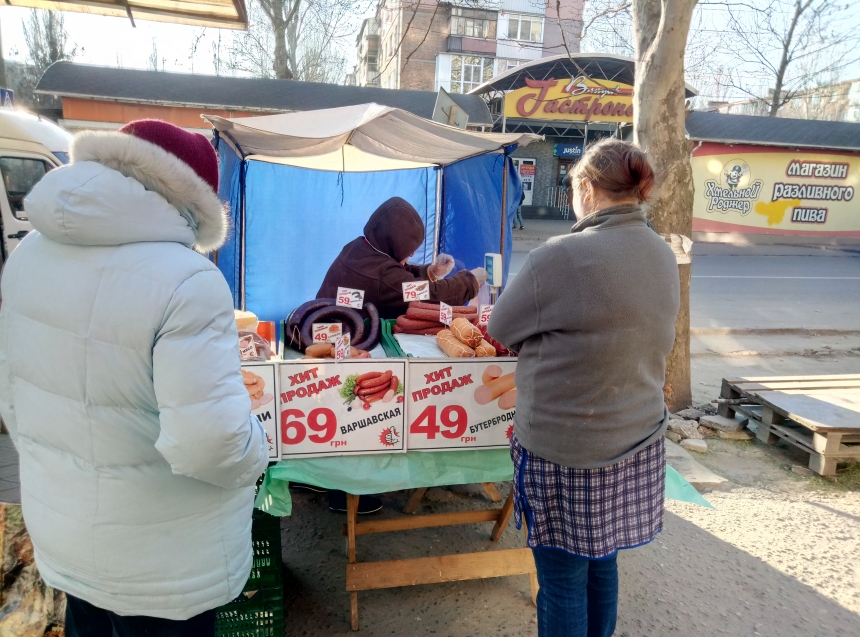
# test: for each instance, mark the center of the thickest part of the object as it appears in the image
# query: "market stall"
(349, 401)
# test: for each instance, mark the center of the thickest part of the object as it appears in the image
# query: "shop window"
(19, 177)
(525, 28)
(469, 72)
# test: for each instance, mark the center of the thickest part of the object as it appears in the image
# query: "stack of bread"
(463, 340)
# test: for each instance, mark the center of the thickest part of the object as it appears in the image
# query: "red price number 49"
(322, 421)
(453, 417)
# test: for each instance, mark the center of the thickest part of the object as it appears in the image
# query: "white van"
(30, 146)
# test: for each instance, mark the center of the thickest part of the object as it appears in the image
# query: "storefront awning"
(225, 14)
(598, 66)
(373, 129)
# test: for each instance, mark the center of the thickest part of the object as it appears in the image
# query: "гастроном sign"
(571, 99)
(769, 190)
(567, 150)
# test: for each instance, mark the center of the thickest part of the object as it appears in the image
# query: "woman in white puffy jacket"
(121, 388)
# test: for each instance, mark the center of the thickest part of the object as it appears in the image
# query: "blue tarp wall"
(298, 220)
(472, 196)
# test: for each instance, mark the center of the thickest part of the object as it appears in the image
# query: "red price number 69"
(320, 420)
(453, 418)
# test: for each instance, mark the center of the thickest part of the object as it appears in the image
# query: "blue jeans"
(518, 217)
(578, 597)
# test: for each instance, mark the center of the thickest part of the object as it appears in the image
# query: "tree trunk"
(293, 42)
(660, 32)
(280, 60)
(776, 100)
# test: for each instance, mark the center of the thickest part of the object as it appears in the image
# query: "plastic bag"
(253, 347)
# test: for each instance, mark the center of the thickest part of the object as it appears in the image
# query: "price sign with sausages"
(416, 291)
(347, 297)
(484, 312)
(460, 404)
(326, 332)
(261, 383)
(353, 407)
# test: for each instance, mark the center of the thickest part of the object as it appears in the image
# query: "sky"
(114, 42)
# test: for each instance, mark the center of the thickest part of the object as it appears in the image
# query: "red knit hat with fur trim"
(191, 148)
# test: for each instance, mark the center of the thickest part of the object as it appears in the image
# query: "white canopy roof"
(375, 131)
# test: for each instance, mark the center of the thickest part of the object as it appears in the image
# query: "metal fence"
(557, 198)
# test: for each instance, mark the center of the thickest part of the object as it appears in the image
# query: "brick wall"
(427, 36)
(545, 167)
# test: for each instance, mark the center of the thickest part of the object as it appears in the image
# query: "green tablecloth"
(396, 471)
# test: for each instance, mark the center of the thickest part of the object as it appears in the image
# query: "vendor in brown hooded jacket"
(376, 263)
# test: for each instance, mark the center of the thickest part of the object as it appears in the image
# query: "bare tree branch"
(605, 13)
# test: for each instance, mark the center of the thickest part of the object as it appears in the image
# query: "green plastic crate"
(266, 541)
(389, 343)
(261, 615)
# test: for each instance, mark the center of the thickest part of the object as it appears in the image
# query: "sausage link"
(379, 381)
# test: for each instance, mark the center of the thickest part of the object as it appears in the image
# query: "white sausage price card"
(484, 313)
(353, 407)
(341, 348)
(260, 382)
(460, 404)
(416, 291)
(446, 313)
(326, 332)
(347, 297)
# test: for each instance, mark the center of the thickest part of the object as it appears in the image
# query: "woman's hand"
(481, 275)
(442, 266)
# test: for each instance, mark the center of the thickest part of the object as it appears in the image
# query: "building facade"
(572, 101)
(428, 45)
(774, 179)
(95, 97)
(838, 102)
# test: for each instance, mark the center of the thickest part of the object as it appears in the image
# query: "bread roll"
(453, 347)
(466, 332)
(245, 321)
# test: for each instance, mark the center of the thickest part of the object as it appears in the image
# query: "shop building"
(427, 44)
(97, 97)
(570, 100)
(774, 179)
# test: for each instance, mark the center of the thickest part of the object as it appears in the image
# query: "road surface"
(757, 287)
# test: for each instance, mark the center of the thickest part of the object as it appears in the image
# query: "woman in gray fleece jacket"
(592, 315)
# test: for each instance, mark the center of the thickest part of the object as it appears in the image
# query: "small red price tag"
(347, 297)
(446, 314)
(484, 312)
(325, 332)
(416, 291)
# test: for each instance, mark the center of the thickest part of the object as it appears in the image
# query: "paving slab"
(721, 423)
(693, 472)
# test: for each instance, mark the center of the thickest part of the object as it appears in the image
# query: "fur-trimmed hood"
(161, 172)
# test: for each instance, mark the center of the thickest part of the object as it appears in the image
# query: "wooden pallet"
(818, 414)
